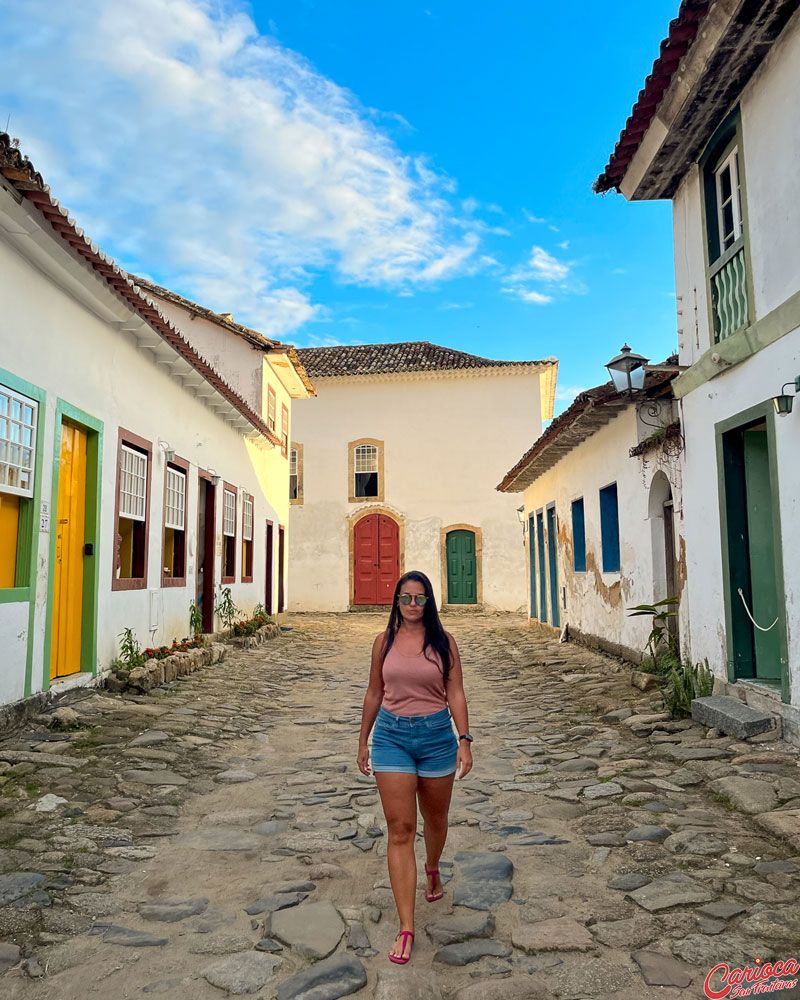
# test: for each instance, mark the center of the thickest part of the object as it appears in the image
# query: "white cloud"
(528, 295)
(531, 217)
(566, 393)
(542, 266)
(192, 147)
(447, 306)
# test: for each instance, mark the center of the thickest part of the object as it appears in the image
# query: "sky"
(353, 171)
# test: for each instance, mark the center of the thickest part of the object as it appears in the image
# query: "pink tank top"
(413, 685)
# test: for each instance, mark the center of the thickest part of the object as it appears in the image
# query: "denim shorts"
(414, 744)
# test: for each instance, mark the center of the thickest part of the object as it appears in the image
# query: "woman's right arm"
(372, 703)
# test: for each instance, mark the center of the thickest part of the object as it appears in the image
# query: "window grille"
(271, 408)
(247, 519)
(133, 484)
(366, 458)
(17, 442)
(176, 500)
(229, 514)
(293, 462)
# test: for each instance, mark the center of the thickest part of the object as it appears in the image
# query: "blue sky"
(356, 172)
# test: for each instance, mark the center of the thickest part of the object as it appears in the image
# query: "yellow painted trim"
(478, 533)
(351, 461)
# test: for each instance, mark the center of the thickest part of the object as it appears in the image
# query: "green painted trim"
(91, 565)
(15, 595)
(740, 346)
(761, 411)
(27, 592)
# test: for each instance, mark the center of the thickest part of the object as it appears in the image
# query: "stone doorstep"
(734, 717)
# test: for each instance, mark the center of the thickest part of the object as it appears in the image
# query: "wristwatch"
(467, 737)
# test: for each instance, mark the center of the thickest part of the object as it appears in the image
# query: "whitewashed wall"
(52, 340)
(448, 442)
(596, 602)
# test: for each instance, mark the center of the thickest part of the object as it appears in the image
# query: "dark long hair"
(435, 636)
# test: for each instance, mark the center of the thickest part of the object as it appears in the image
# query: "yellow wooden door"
(65, 655)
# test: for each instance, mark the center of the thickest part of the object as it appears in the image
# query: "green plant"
(685, 682)
(225, 608)
(195, 619)
(660, 634)
(664, 661)
(129, 650)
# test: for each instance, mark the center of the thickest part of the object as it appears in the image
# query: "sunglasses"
(419, 599)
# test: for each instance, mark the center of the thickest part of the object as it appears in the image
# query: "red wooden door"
(376, 554)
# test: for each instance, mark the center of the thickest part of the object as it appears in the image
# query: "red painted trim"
(250, 543)
(231, 489)
(134, 441)
(270, 567)
(175, 581)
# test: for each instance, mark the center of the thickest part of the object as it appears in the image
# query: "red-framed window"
(272, 407)
(132, 512)
(228, 533)
(247, 538)
(284, 430)
(173, 559)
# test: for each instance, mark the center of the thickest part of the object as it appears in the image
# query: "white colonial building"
(136, 476)
(717, 130)
(602, 505)
(393, 468)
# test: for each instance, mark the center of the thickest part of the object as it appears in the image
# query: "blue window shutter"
(578, 537)
(609, 528)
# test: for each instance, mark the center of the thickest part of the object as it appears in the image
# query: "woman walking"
(415, 687)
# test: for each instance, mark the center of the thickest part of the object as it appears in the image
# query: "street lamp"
(521, 516)
(627, 371)
(783, 402)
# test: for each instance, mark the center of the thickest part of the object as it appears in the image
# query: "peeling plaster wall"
(596, 602)
(448, 442)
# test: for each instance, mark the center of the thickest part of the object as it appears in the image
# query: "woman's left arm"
(457, 701)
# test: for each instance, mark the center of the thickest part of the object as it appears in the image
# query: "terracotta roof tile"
(408, 356)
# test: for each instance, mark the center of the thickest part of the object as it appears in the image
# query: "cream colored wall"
(448, 442)
(53, 341)
(596, 602)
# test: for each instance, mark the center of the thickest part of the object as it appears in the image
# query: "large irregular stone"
(48, 803)
(403, 982)
(774, 924)
(271, 904)
(9, 956)
(629, 881)
(128, 938)
(560, 934)
(485, 879)
(243, 973)
(631, 933)
(675, 889)
(650, 834)
(17, 884)
(471, 951)
(661, 970)
(695, 753)
(172, 910)
(313, 930)
(513, 988)
(695, 842)
(219, 838)
(731, 716)
(150, 738)
(783, 822)
(236, 776)
(451, 930)
(154, 777)
(337, 976)
(604, 790)
(748, 794)
(722, 909)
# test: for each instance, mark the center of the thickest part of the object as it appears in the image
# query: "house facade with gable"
(715, 130)
(135, 478)
(391, 471)
(602, 494)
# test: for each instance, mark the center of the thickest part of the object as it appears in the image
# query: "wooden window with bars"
(173, 573)
(18, 418)
(272, 408)
(284, 430)
(247, 539)
(228, 534)
(132, 512)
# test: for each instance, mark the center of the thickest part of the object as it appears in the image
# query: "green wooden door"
(761, 552)
(462, 567)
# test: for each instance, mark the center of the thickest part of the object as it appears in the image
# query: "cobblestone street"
(215, 837)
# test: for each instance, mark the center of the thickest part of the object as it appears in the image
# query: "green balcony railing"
(729, 292)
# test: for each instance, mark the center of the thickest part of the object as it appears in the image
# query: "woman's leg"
(398, 792)
(434, 804)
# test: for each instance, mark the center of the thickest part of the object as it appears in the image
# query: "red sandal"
(431, 898)
(399, 959)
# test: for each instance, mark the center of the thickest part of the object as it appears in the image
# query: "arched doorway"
(662, 520)
(376, 559)
(462, 567)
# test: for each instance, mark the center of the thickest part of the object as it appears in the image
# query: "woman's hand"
(363, 760)
(463, 760)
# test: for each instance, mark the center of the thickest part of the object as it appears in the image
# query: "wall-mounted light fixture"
(783, 402)
(215, 479)
(169, 451)
(627, 371)
(522, 520)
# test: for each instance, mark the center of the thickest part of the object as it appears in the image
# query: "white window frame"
(229, 513)
(175, 513)
(133, 474)
(730, 162)
(18, 455)
(362, 454)
(272, 408)
(247, 519)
